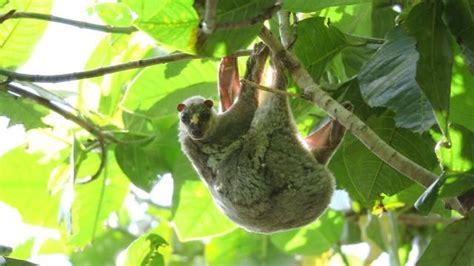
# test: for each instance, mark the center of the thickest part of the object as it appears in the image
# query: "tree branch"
(106, 70)
(13, 14)
(82, 122)
(350, 121)
(209, 23)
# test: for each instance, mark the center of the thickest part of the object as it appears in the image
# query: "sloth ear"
(180, 107)
(209, 103)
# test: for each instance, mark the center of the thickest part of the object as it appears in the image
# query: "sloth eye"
(185, 118)
(205, 115)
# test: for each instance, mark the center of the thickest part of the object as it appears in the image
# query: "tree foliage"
(406, 66)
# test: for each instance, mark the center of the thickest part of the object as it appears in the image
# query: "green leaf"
(314, 5)
(313, 239)
(115, 14)
(94, 202)
(104, 251)
(352, 19)
(145, 251)
(433, 72)
(197, 215)
(453, 246)
(460, 156)
(143, 162)
(456, 185)
(5, 251)
(21, 111)
(174, 24)
(460, 19)
(424, 204)
(24, 250)
(19, 36)
(224, 42)
(383, 17)
(409, 196)
(109, 89)
(23, 185)
(462, 95)
(3, 3)
(364, 175)
(243, 248)
(317, 44)
(388, 80)
(157, 82)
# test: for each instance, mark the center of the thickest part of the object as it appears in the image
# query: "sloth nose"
(196, 132)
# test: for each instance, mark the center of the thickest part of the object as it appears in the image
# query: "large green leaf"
(224, 42)
(105, 249)
(145, 250)
(462, 95)
(314, 5)
(453, 246)
(144, 161)
(175, 24)
(388, 80)
(317, 44)
(94, 202)
(157, 82)
(433, 72)
(243, 248)
(23, 185)
(460, 18)
(19, 36)
(109, 89)
(313, 239)
(364, 175)
(352, 19)
(197, 215)
(460, 156)
(21, 111)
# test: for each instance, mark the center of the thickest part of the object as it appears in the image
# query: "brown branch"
(12, 14)
(106, 70)
(358, 128)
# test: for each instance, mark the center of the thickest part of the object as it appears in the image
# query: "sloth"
(260, 172)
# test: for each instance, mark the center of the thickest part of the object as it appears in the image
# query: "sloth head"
(197, 116)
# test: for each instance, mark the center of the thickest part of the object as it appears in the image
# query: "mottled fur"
(258, 171)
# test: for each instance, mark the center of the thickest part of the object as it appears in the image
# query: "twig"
(350, 121)
(106, 70)
(97, 132)
(209, 23)
(12, 14)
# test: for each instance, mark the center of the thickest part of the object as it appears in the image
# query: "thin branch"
(349, 120)
(12, 14)
(209, 23)
(91, 128)
(106, 70)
